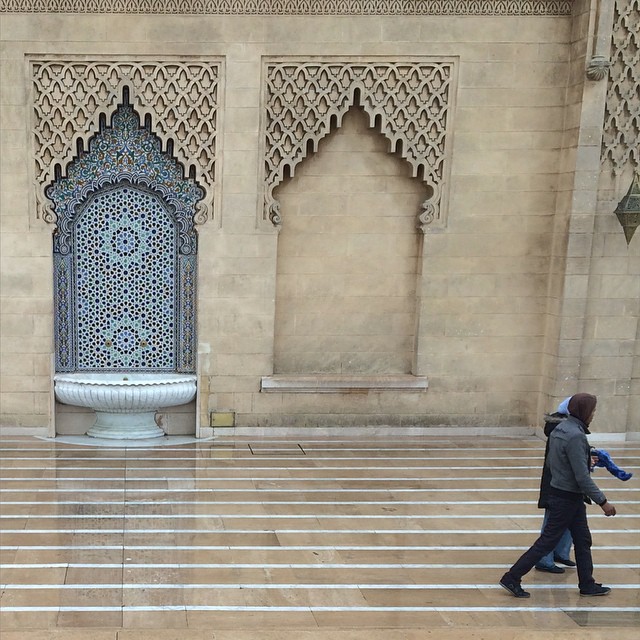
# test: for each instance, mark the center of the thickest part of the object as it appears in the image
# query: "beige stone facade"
(362, 263)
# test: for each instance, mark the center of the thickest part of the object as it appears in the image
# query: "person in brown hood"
(562, 550)
(571, 487)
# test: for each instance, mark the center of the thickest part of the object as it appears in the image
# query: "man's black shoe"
(565, 561)
(514, 588)
(551, 569)
(595, 590)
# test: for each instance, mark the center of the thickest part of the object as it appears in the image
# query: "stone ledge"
(341, 384)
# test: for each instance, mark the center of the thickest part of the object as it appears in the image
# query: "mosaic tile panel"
(125, 259)
(125, 254)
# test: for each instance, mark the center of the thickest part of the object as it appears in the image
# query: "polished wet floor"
(307, 539)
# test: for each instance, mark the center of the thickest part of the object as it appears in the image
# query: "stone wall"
(497, 299)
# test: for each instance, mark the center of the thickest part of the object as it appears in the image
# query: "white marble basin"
(125, 403)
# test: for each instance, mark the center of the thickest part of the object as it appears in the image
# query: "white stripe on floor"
(288, 587)
(301, 531)
(268, 565)
(310, 609)
(333, 547)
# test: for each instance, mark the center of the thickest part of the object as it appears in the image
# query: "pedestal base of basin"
(125, 426)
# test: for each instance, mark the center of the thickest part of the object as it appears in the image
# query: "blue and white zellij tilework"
(125, 277)
(125, 255)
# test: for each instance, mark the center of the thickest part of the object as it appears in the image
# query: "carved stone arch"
(182, 98)
(124, 189)
(409, 102)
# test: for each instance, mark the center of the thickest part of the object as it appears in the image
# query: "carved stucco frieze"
(621, 135)
(295, 7)
(180, 98)
(410, 103)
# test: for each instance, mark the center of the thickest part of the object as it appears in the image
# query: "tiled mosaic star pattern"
(124, 255)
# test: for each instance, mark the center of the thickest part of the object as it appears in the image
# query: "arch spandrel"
(410, 103)
(181, 97)
(124, 151)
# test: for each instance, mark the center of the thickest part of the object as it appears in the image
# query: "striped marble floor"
(306, 539)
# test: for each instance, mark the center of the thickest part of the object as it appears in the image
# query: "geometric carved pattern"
(296, 7)
(621, 137)
(408, 102)
(124, 254)
(181, 99)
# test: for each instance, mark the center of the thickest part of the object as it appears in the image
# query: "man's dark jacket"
(569, 461)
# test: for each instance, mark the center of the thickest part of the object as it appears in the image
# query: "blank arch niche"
(348, 254)
(355, 164)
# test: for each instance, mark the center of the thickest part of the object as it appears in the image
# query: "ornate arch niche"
(182, 97)
(409, 102)
(124, 252)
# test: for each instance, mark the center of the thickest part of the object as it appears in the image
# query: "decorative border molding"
(409, 102)
(297, 7)
(179, 98)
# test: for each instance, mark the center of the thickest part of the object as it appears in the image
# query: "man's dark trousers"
(564, 513)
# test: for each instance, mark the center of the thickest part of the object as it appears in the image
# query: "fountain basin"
(125, 403)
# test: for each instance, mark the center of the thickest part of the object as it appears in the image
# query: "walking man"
(571, 486)
(561, 552)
